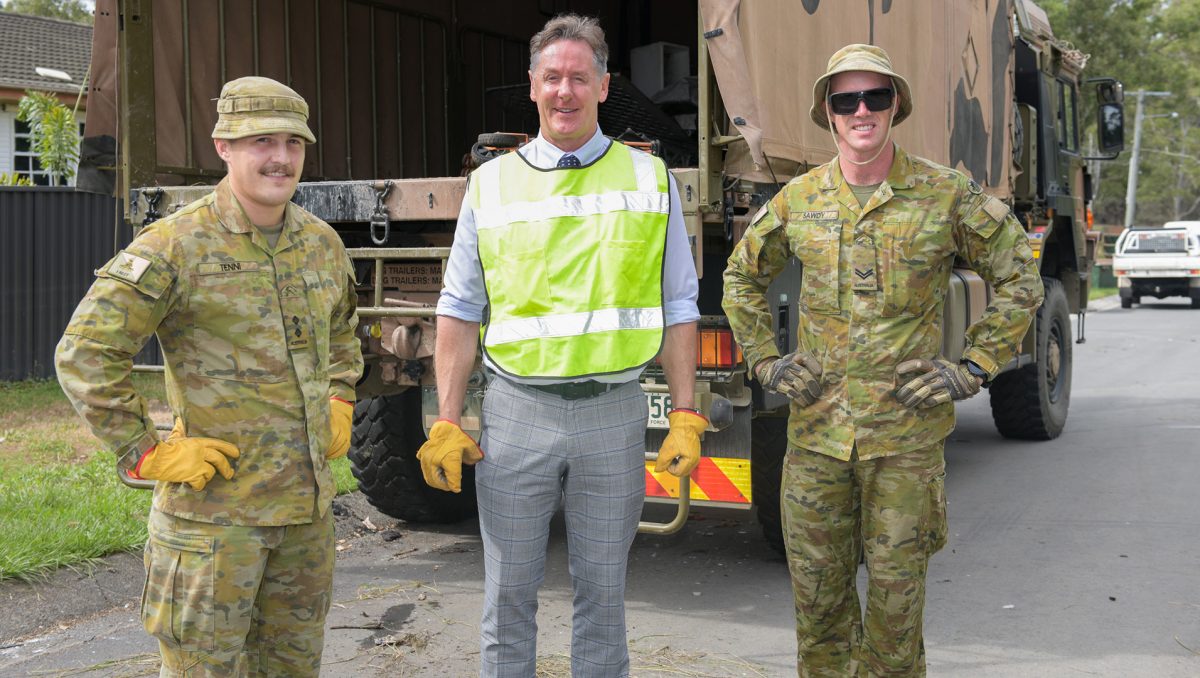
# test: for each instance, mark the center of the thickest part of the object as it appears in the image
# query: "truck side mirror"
(1110, 116)
(1111, 123)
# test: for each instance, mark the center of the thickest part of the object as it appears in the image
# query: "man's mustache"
(278, 167)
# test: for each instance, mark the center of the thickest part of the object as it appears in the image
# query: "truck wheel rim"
(1054, 362)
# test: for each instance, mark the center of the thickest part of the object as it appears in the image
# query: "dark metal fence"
(51, 241)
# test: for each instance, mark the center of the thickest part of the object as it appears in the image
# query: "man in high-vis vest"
(571, 256)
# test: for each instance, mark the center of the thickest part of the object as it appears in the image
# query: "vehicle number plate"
(660, 405)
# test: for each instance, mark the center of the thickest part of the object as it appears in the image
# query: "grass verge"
(61, 503)
(59, 514)
(1100, 292)
(342, 476)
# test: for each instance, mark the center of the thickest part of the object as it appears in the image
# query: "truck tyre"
(1195, 292)
(1031, 402)
(499, 140)
(1126, 302)
(768, 449)
(383, 457)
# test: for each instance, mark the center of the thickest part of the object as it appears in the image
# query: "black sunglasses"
(846, 103)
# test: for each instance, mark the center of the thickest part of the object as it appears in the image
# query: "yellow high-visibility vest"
(572, 263)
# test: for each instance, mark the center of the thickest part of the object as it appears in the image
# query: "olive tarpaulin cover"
(956, 55)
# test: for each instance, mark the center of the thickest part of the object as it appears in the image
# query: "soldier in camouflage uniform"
(253, 302)
(877, 231)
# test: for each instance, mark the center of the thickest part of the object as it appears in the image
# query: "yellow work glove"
(341, 417)
(680, 452)
(928, 383)
(179, 459)
(443, 455)
(796, 375)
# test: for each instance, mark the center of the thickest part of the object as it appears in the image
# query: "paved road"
(1079, 556)
(1093, 539)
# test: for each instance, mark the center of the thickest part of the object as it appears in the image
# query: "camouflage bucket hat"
(255, 105)
(859, 58)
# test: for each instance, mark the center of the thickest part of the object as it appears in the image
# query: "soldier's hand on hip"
(341, 418)
(442, 456)
(180, 459)
(929, 383)
(796, 376)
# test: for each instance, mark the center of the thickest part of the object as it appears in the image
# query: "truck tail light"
(717, 349)
(1119, 272)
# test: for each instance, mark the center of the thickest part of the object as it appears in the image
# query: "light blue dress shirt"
(463, 294)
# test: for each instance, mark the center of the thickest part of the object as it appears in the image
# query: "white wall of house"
(8, 116)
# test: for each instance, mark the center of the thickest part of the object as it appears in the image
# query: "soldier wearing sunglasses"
(877, 231)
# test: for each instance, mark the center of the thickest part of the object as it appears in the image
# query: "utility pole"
(1179, 174)
(1131, 185)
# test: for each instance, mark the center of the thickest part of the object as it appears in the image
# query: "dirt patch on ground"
(54, 433)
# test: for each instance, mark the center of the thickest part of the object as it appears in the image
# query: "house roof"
(28, 42)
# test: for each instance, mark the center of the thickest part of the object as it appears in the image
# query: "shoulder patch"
(974, 187)
(995, 208)
(128, 267)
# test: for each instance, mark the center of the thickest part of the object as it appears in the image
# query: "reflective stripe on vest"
(572, 262)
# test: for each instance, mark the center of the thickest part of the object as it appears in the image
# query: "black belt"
(575, 390)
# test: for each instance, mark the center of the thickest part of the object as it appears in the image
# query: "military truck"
(407, 95)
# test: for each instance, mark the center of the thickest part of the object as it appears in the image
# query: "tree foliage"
(54, 134)
(14, 179)
(70, 10)
(1151, 45)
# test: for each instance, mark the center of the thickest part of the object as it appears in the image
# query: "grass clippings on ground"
(662, 660)
(145, 664)
(373, 591)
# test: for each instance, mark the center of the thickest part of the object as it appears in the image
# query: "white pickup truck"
(1158, 262)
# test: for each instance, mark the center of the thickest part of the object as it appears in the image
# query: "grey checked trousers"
(542, 451)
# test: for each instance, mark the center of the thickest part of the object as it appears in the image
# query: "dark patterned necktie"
(568, 160)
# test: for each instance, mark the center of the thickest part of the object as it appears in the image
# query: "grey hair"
(571, 27)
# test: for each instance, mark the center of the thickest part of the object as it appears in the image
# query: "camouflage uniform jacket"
(255, 343)
(873, 285)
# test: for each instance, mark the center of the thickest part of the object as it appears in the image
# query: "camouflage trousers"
(238, 600)
(894, 508)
